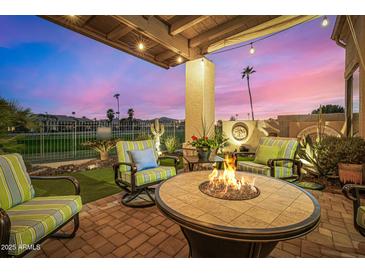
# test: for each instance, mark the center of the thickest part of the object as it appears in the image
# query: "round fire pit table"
(247, 228)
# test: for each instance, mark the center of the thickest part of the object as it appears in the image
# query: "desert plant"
(171, 144)
(101, 146)
(220, 139)
(321, 157)
(157, 130)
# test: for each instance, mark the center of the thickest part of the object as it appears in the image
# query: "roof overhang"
(171, 40)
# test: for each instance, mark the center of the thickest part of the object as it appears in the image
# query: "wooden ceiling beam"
(225, 30)
(159, 32)
(186, 22)
(118, 33)
(93, 34)
(165, 55)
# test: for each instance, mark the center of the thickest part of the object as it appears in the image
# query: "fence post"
(42, 140)
(74, 146)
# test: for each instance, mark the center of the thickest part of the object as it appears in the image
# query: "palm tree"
(110, 115)
(130, 113)
(246, 73)
(116, 96)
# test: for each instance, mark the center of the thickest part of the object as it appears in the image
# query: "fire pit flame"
(227, 186)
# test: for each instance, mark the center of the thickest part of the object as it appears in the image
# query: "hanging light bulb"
(179, 59)
(252, 49)
(325, 21)
(140, 46)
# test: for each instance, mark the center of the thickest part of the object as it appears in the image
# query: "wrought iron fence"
(60, 141)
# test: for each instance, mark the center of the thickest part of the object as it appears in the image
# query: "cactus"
(157, 131)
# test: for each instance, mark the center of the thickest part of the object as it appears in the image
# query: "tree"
(246, 73)
(329, 109)
(130, 113)
(110, 115)
(13, 118)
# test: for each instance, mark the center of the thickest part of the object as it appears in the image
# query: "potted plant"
(351, 166)
(203, 146)
(101, 146)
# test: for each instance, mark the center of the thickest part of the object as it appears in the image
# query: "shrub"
(171, 144)
(322, 157)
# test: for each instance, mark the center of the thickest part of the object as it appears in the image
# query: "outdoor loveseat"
(352, 192)
(137, 182)
(275, 157)
(26, 220)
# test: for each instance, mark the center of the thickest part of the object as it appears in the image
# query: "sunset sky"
(51, 69)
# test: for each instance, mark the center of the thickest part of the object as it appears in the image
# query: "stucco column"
(349, 107)
(199, 101)
(362, 103)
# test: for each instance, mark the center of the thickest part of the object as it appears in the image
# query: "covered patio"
(111, 229)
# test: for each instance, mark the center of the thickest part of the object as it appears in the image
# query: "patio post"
(199, 100)
(362, 102)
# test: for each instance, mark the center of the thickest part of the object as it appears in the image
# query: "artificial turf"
(94, 184)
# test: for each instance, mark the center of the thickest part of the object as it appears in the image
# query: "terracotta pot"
(351, 173)
(104, 156)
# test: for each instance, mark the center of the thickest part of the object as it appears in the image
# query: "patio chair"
(275, 157)
(352, 192)
(137, 182)
(26, 220)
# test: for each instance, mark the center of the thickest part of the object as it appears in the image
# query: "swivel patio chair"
(26, 220)
(275, 157)
(352, 192)
(137, 182)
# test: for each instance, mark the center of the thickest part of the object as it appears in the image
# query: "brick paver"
(109, 229)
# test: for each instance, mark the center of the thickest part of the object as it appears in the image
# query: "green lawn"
(95, 184)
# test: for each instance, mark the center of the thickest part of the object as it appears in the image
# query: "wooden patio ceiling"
(170, 40)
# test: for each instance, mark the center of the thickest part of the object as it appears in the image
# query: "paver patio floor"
(109, 229)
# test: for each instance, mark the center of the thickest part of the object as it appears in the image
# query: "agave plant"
(101, 146)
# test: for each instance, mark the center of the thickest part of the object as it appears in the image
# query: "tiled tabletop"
(278, 205)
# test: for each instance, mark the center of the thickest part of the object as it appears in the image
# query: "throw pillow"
(143, 159)
(265, 153)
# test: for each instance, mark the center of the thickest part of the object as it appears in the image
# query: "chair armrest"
(4, 232)
(117, 165)
(352, 192)
(244, 153)
(271, 162)
(71, 179)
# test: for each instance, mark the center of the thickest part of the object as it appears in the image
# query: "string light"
(140, 46)
(325, 21)
(252, 49)
(179, 59)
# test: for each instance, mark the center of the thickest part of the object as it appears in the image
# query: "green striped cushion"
(360, 218)
(252, 167)
(152, 175)
(288, 147)
(123, 148)
(37, 218)
(15, 184)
